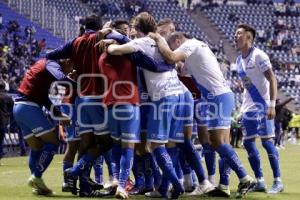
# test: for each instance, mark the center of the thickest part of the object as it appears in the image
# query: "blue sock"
(225, 172)
(33, 158)
(83, 164)
(115, 159)
(138, 171)
(185, 166)
(98, 169)
(45, 159)
(194, 158)
(227, 152)
(173, 153)
(165, 163)
(66, 165)
(125, 165)
(210, 159)
(155, 169)
(273, 157)
(108, 161)
(253, 157)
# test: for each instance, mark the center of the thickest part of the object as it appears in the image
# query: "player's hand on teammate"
(154, 36)
(271, 113)
(103, 32)
(72, 75)
(103, 44)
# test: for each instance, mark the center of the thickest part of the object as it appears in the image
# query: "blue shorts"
(184, 116)
(91, 116)
(71, 131)
(31, 119)
(144, 109)
(124, 123)
(201, 112)
(256, 124)
(219, 111)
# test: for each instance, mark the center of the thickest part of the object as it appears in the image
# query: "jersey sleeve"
(263, 62)
(56, 71)
(62, 52)
(187, 48)
(137, 44)
(122, 39)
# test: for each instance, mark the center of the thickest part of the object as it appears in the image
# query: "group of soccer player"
(129, 98)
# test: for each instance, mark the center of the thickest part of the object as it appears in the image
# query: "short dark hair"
(93, 22)
(177, 35)
(119, 22)
(145, 23)
(165, 21)
(248, 28)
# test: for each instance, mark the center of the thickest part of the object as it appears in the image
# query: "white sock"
(277, 179)
(260, 179)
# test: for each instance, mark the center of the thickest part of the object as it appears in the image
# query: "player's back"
(122, 79)
(204, 67)
(85, 57)
(159, 84)
(36, 82)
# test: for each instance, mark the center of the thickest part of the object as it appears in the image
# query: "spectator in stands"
(6, 105)
(233, 18)
(42, 44)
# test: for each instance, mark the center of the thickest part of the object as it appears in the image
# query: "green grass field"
(14, 173)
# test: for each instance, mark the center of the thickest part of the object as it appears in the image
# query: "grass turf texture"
(14, 174)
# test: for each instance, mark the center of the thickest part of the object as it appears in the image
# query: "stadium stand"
(9, 15)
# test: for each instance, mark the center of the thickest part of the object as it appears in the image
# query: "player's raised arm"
(171, 57)
(115, 49)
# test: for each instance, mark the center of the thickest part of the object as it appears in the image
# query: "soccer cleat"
(188, 186)
(91, 193)
(245, 186)
(155, 194)
(121, 193)
(137, 191)
(39, 185)
(129, 185)
(176, 193)
(66, 187)
(260, 186)
(276, 188)
(70, 182)
(94, 185)
(39, 192)
(202, 188)
(219, 192)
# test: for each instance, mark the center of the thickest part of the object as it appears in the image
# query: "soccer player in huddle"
(164, 89)
(204, 67)
(37, 130)
(95, 137)
(258, 107)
